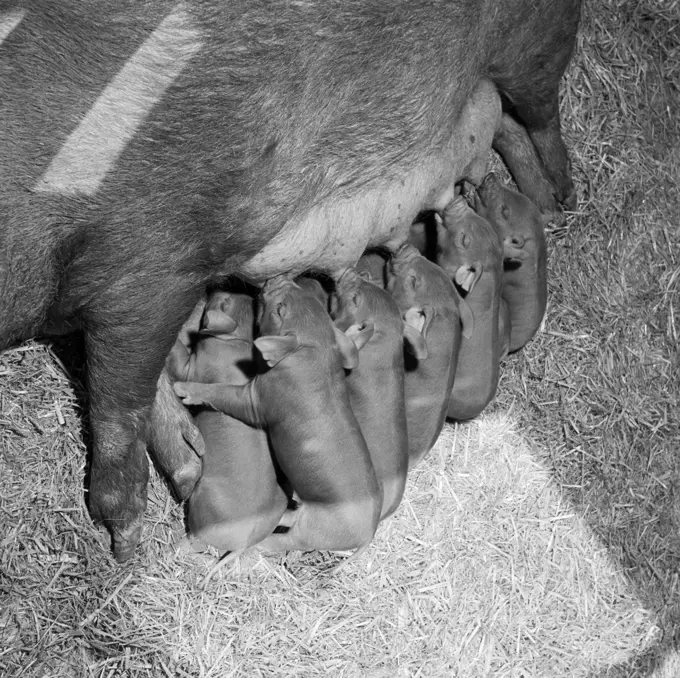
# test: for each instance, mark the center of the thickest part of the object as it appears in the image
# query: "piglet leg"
(235, 401)
(327, 527)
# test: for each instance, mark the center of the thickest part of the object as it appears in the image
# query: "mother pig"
(148, 149)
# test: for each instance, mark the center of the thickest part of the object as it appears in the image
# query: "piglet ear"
(415, 325)
(275, 348)
(217, 322)
(348, 349)
(467, 318)
(466, 277)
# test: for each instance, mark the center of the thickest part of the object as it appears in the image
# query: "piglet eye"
(505, 211)
(412, 282)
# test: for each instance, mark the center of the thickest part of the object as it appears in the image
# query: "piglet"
(470, 252)
(432, 308)
(237, 502)
(302, 402)
(519, 224)
(368, 314)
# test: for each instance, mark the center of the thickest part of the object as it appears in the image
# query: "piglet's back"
(305, 403)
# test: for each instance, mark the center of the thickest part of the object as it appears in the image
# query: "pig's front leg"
(125, 358)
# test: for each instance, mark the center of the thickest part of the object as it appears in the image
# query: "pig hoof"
(125, 541)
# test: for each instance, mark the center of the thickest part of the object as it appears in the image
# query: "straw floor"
(541, 540)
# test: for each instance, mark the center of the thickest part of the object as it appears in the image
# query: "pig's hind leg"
(542, 120)
(129, 331)
(513, 144)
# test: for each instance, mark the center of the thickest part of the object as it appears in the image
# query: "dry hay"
(484, 570)
(466, 570)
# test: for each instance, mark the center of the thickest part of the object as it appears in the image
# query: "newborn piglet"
(469, 250)
(432, 308)
(369, 315)
(519, 225)
(237, 501)
(302, 402)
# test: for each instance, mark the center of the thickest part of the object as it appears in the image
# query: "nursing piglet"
(431, 307)
(519, 225)
(302, 402)
(369, 315)
(237, 501)
(469, 250)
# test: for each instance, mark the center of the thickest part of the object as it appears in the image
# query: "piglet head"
(228, 314)
(517, 220)
(372, 267)
(467, 245)
(350, 309)
(348, 303)
(489, 195)
(292, 317)
(279, 319)
(422, 291)
(313, 287)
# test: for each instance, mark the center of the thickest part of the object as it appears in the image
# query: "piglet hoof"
(570, 200)
(188, 394)
(554, 218)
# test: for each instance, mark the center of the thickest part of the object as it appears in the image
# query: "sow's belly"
(334, 234)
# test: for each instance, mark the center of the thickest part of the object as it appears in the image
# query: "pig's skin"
(424, 292)
(302, 401)
(228, 132)
(470, 252)
(519, 225)
(376, 384)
